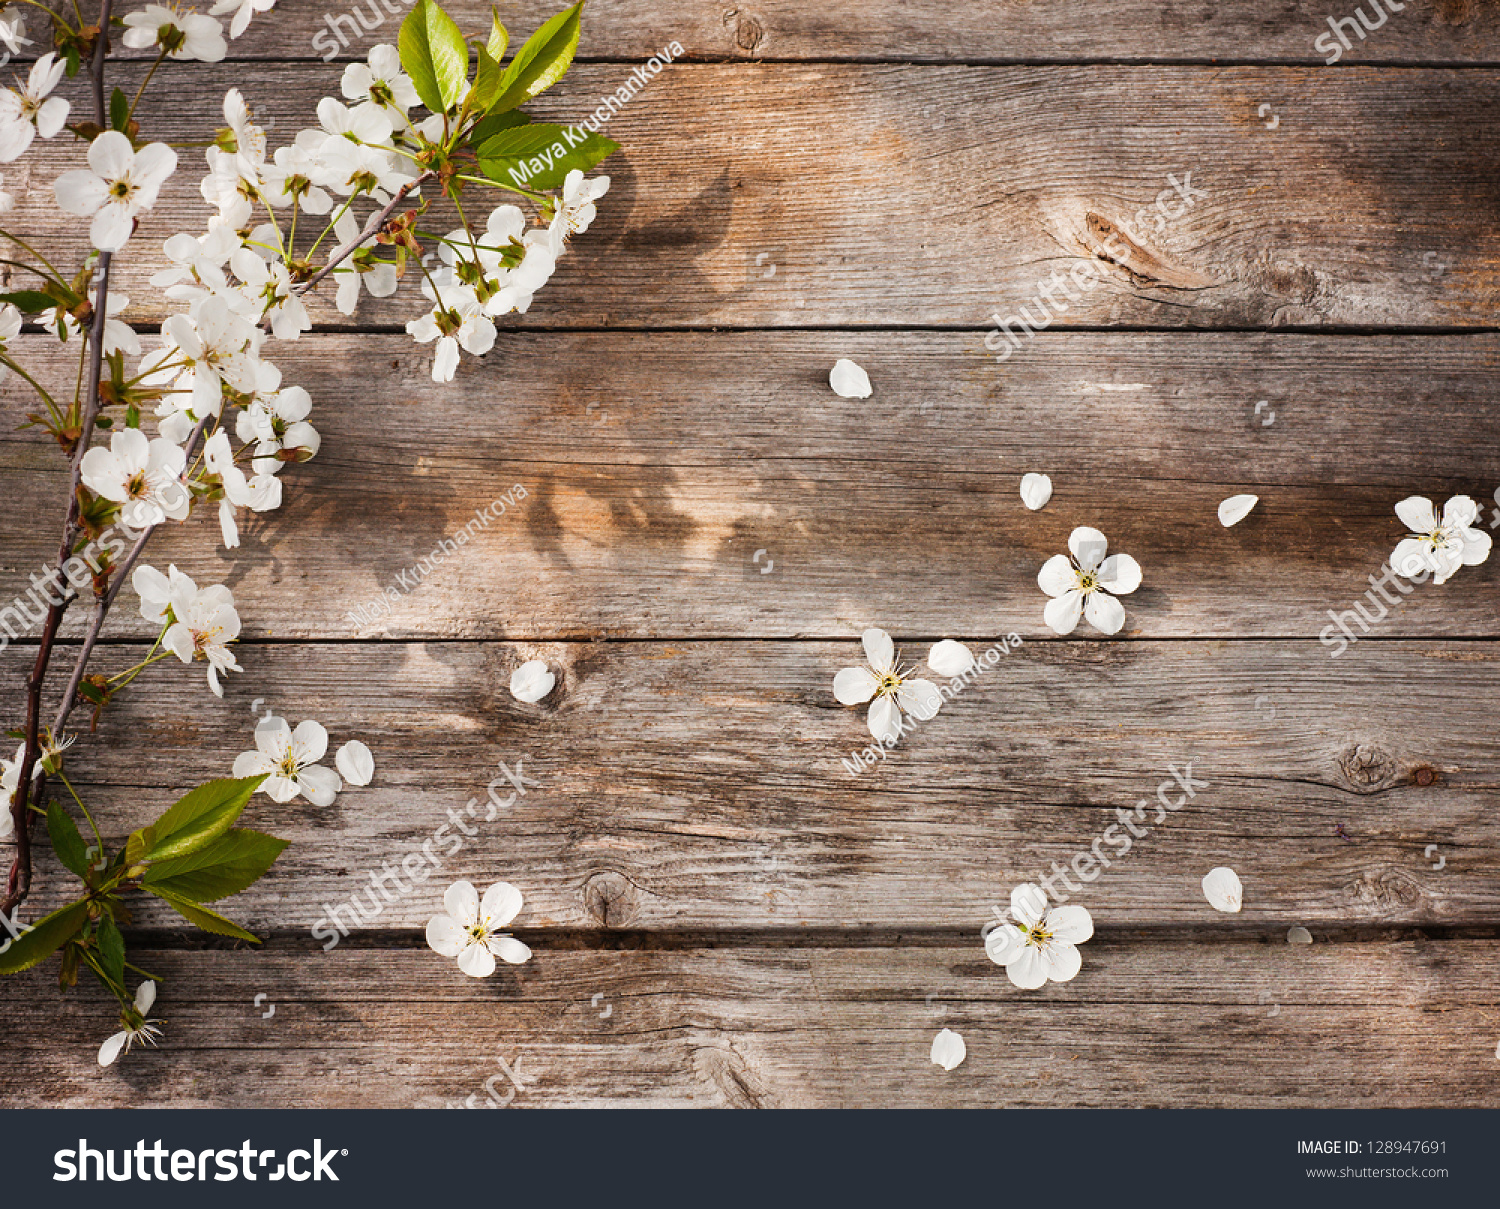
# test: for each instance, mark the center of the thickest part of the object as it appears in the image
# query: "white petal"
(849, 381)
(949, 658)
(1057, 575)
(884, 719)
(502, 903)
(879, 649)
(252, 764)
(1411, 557)
(356, 763)
(310, 742)
(1298, 936)
(1027, 903)
(145, 996)
(1460, 511)
(1105, 613)
(1416, 514)
(1222, 888)
(1063, 960)
(273, 737)
(854, 685)
(477, 961)
(461, 901)
(1036, 490)
(110, 1050)
(1236, 508)
(445, 937)
(1088, 547)
(1062, 614)
(1072, 924)
(1004, 944)
(948, 1049)
(531, 681)
(1028, 969)
(509, 950)
(1120, 574)
(1476, 547)
(920, 698)
(319, 785)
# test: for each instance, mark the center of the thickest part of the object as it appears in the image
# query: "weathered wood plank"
(1402, 1024)
(699, 786)
(925, 30)
(656, 467)
(887, 195)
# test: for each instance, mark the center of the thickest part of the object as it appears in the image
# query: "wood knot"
(1367, 767)
(1384, 890)
(748, 30)
(1425, 777)
(731, 1074)
(613, 899)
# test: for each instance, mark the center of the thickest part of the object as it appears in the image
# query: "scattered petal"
(355, 763)
(950, 658)
(1298, 936)
(1036, 490)
(849, 381)
(1236, 508)
(531, 682)
(1222, 888)
(948, 1049)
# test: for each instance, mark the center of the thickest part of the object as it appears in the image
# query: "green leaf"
(119, 110)
(44, 939)
(29, 302)
(487, 82)
(435, 56)
(112, 950)
(487, 128)
(198, 818)
(499, 39)
(200, 916)
(516, 157)
(543, 61)
(230, 864)
(66, 842)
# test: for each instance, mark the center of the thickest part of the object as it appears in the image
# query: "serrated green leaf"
(199, 818)
(487, 128)
(48, 935)
(488, 79)
(230, 864)
(499, 39)
(66, 842)
(518, 156)
(200, 916)
(112, 950)
(435, 56)
(119, 110)
(543, 61)
(29, 302)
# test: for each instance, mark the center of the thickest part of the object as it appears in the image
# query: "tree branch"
(372, 228)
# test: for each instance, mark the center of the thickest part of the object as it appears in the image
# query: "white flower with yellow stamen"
(1441, 547)
(893, 688)
(289, 761)
(1038, 949)
(1083, 585)
(470, 929)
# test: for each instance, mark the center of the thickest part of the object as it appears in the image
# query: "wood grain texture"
(657, 466)
(1452, 31)
(1407, 1023)
(890, 196)
(703, 786)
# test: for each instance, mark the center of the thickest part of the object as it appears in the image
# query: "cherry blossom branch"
(18, 885)
(372, 228)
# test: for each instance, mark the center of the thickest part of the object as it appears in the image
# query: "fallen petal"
(1298, 936)
(531, 682)
(1222, 888)
(948, 1049)
(1036, 490)
(949, 658)
(1236, 508)
(355, 763)
(849, 381)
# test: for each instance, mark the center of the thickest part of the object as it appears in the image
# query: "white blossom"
(1084, 585)
(575, 210)
(893, 688)
(470, 929)
(119, 336)
(119, 184)
(137, 1026)
(458, 319)
(1035, 949)
(243, 10)
(204, 622)
(1440, 547)
(143, 476)
(381, 82)
(182, 34)
(33, 110)
(290, 758)
(269, 284)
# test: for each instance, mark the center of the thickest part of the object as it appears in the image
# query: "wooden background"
(722, 914)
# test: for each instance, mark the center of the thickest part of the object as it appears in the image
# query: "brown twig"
(18, 885)
(372, 229)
